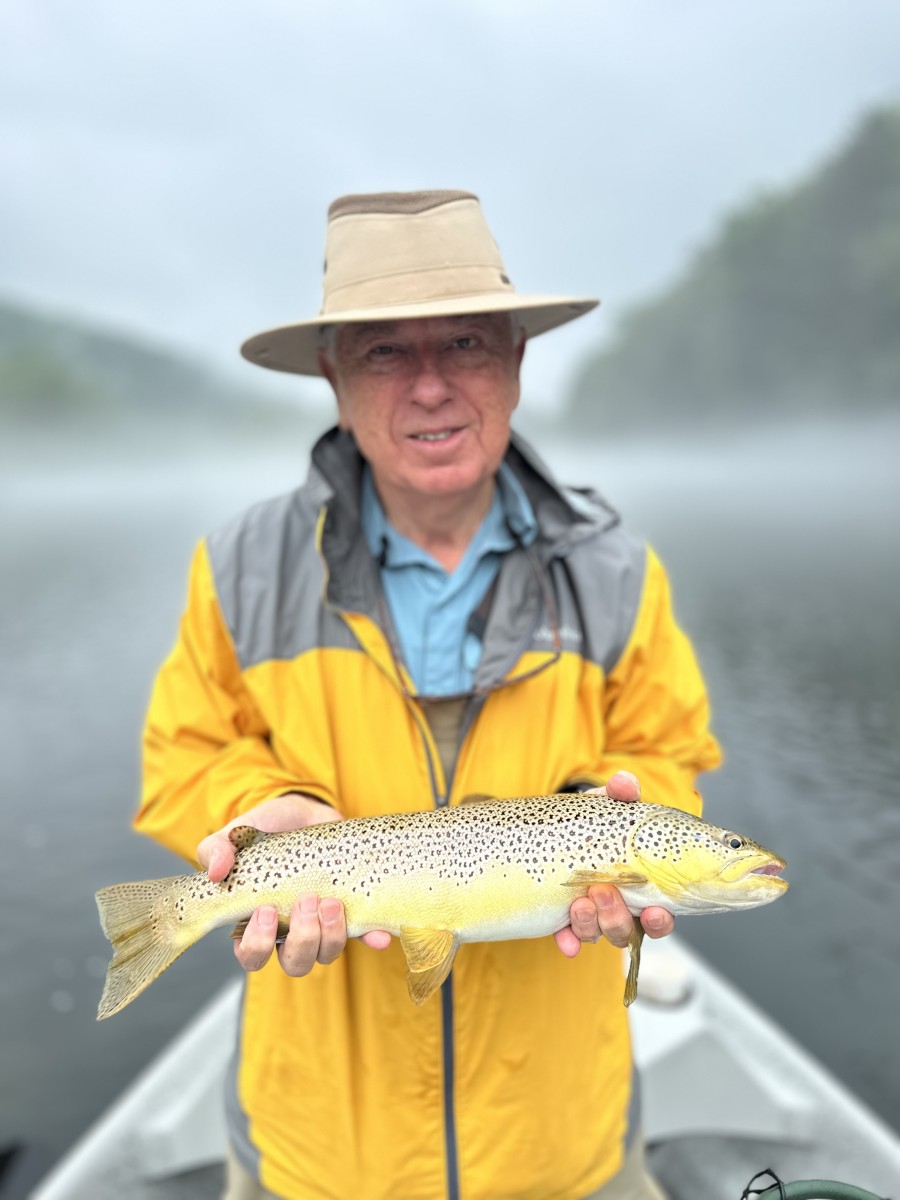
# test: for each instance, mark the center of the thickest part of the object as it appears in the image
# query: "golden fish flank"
(483, 871)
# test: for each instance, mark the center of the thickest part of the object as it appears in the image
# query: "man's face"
(428, 401)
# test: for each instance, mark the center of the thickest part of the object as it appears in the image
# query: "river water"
(783, 551)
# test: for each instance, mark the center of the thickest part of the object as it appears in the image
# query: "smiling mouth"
(440, 436)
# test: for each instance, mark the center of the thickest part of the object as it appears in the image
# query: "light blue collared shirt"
(430, 606)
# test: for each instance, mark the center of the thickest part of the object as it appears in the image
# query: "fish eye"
(733, 841)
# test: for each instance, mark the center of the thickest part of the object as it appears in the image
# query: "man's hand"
(318, 928)
(602, 912)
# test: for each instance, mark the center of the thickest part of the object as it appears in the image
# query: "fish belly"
(496, 906)
(539, 922)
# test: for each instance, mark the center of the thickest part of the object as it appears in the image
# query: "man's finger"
(216, 853)
(255, 948)
(300, 950)
(567, 942)
(378, 939)
(583, 920)
(623, 786)
(657, 922)
(615, 921)
(333, 927)
(320, 813)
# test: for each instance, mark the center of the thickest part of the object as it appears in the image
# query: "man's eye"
(465, 343)
(382, 351)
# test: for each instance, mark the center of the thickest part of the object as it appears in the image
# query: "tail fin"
(146, 937)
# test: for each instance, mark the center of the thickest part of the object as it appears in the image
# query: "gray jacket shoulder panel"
(269, 580)
(601, 593)
(597, 566)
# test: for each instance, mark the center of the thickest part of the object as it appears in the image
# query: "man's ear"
(326, 366)
(518, 355)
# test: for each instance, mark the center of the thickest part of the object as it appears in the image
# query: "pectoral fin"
(429, 957)
(238, 932)
(634, 945)
(619, 876)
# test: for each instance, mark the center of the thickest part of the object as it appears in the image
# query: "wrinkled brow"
(354, 334)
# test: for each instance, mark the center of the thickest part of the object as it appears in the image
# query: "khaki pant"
(631, 1183)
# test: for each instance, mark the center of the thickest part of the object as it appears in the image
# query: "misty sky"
(166, 166)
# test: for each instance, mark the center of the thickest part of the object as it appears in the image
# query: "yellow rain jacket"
(516, 1080)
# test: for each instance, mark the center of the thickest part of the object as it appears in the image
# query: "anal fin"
(429, 957)
(634, 966)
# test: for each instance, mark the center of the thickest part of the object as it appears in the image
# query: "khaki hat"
(395, 256)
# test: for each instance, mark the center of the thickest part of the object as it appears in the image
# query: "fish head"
(704, 866)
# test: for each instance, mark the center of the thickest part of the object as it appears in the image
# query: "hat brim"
(295, 348)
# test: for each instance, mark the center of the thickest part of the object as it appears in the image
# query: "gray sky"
(166, 164)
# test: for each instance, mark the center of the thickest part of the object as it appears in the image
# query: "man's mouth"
(440, 435)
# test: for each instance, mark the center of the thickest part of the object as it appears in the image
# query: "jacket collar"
(564, 515)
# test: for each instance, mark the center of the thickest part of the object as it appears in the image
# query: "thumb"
(216, 853)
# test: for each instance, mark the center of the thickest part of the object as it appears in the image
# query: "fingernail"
(654, 922)
(628, 775)
(267, 917)
(330, 911)
(602, 899)
(309, 906)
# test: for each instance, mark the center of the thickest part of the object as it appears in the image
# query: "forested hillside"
(58, 374)
(792, 309)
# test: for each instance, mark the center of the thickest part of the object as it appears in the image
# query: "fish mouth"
(769, 877)
(748, 865)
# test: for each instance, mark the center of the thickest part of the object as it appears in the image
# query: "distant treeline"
(58, 374)
(793, 309)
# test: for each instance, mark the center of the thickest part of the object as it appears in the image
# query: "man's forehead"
(415, 326)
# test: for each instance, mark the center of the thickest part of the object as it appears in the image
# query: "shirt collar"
(509, 520)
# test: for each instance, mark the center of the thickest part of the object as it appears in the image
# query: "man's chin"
(450, 475)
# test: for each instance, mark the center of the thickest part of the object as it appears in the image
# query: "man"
(429, 616)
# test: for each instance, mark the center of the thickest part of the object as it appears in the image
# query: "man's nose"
(430, 387)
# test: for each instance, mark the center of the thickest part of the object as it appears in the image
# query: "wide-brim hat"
(396, 256)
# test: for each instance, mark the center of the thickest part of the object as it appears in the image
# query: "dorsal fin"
(243, 836)
(478, 798)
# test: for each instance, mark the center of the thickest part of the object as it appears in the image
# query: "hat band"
(415, 287)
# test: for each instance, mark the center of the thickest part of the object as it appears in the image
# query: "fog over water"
(782, 549)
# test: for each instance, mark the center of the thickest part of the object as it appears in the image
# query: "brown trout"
(487, 870)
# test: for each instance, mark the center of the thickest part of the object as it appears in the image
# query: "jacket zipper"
(450, 1146)
(451, 1150)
